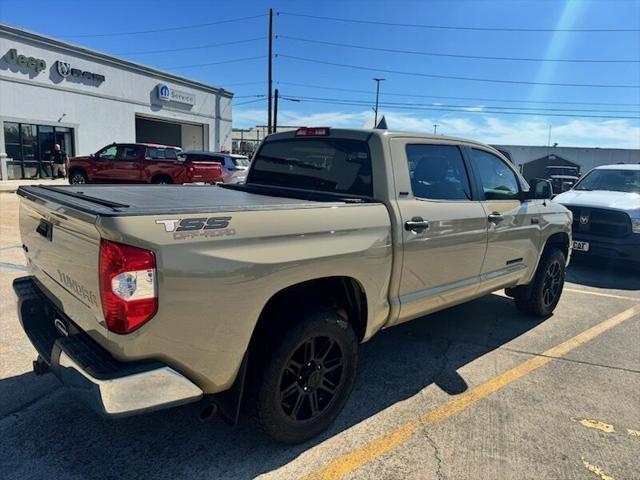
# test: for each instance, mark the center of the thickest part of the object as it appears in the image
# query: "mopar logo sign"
(164, 92)
(168, 94)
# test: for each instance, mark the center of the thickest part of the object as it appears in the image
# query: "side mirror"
(92, 155)
(541, 189)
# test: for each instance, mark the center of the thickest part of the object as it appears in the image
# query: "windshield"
(241, 162)
(322, 164)
(612, 180)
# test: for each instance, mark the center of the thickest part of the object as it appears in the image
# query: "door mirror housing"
(540, 189)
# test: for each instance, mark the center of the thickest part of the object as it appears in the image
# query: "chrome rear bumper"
(112, 388)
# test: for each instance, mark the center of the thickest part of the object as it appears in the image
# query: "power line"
(451, 27)
(454, 77)
(257, 95)
(485, 111)
(168, 29)
(481, 99)
(451, 55)
(195, 47)
(463, 107)
(249, 101)
(233, 60)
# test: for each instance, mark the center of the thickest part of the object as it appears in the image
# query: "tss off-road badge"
(186, 228)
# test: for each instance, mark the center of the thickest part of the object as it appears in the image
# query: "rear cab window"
(331, 165)
(437, 172)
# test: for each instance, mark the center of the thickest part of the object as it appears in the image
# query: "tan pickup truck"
(257, 295)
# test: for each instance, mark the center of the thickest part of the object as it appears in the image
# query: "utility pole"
(375, 120)
(270, 79)
(435, 128)
(275, 113)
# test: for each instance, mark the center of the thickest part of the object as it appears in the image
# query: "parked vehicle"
(234, 167)
(140, 163)
(606, 212)
(336, 234)
(562, 177)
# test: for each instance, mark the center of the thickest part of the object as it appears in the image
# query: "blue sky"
(425, 98)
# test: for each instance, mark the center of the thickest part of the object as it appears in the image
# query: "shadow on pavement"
(59, 437)
(603, 273)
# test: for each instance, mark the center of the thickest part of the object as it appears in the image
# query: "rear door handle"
(495, 217)
(416, 224)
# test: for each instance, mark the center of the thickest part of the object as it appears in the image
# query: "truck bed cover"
(134, 200)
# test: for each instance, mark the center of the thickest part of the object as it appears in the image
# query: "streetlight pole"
(435, 128)
(275, 112)
(270, 68)
(378, 80)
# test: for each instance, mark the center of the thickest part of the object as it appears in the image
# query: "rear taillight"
(127, 286)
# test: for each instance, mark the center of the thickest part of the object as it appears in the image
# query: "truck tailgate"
(209, 172)
(62, 249)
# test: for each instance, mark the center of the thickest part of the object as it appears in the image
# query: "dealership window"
(26, 144)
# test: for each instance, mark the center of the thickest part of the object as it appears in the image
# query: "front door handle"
(495, 217)
(416, 224)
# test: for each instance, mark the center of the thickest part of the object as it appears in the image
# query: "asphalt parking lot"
(477, 391)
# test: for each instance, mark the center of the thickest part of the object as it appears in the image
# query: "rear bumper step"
(110, 387)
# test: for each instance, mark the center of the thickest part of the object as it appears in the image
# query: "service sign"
(168, 94)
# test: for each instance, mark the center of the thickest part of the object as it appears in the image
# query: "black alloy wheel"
(311, 378)
(301, 374)
(551, 286)
(540, 297)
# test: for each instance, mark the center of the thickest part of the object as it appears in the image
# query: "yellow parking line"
(597, 470)
(599, 294)
(379, 446)
(597, 425)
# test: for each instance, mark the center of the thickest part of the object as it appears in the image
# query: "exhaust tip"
(208, 412)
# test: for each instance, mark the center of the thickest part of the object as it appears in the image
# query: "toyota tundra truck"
(253, 298)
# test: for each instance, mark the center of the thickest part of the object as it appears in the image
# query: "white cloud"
(483, 127)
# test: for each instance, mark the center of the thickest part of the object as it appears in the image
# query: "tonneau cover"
(132, 200)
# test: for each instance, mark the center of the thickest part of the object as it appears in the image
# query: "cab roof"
(366, 132)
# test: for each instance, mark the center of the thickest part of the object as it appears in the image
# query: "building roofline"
(47, 41)
(559, 147)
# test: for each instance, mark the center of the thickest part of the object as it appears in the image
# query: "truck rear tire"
(542, 295)
(306, 380)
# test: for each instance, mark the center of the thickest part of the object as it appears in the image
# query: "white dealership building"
(55, 92)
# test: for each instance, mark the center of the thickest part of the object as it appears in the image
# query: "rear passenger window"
(129, 153)
(498, 180)
(438, 172)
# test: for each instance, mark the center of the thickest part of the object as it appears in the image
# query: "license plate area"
(580, 246)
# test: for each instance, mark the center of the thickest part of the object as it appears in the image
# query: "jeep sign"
(23, 61)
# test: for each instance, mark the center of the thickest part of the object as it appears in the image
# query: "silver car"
(234, 167)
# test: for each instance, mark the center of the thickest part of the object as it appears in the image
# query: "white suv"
(234, 167)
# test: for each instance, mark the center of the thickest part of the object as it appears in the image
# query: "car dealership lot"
(476, 391)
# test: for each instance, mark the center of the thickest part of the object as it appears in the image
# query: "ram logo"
(194, 224)
(64, 68)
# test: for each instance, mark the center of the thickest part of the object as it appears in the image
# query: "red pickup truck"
(140, 163)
